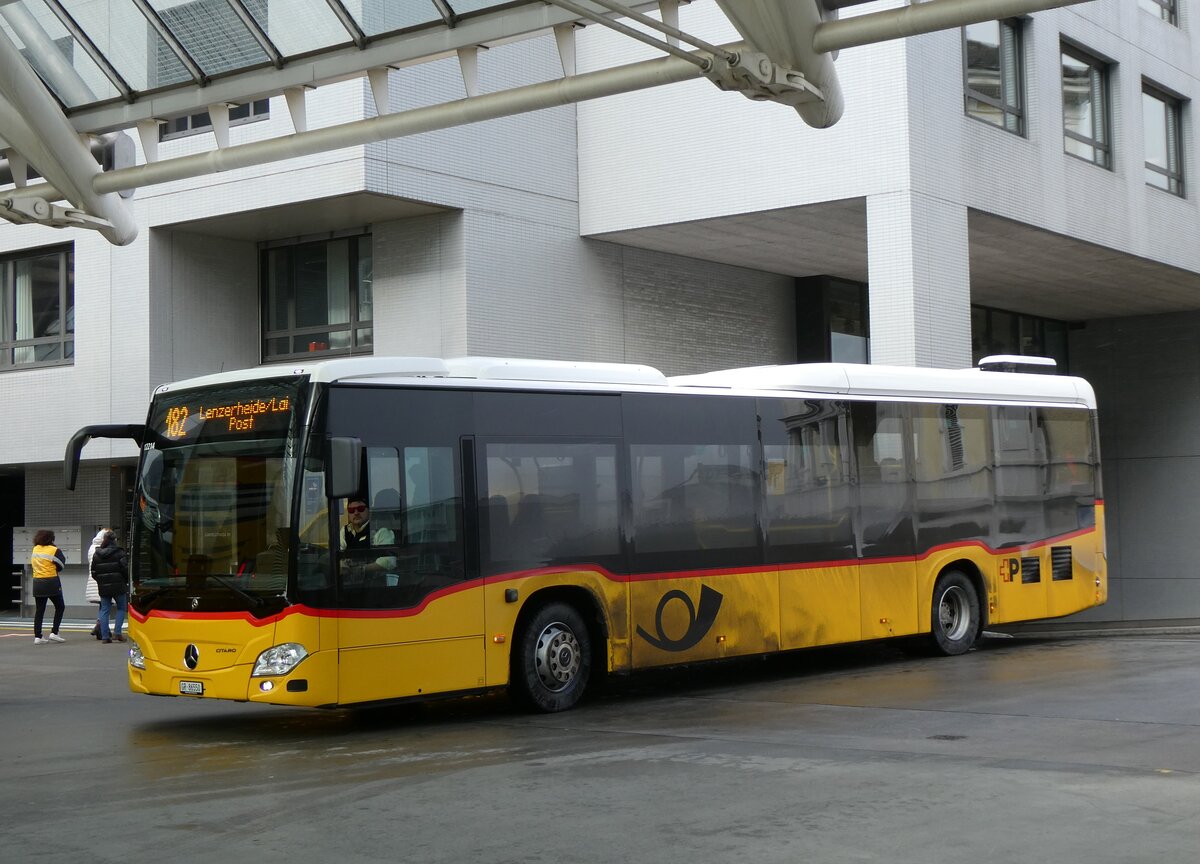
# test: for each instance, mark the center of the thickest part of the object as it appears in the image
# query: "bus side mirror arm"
(134, 431)
(343, 466)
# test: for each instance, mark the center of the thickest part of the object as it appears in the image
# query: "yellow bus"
(370, 530)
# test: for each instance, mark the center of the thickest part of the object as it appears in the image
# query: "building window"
(992, 63)
(1085, 83)
(194, 124)
(1161, 128)
(1165, 9)
(317, 298)
(996, 331)
(38, 317)
(832, 321)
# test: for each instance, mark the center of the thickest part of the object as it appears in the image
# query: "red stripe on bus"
(520, 575)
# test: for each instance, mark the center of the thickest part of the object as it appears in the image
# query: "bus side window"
(808, 502)
(550, 502)
(883, 478)
(952, 473)
(1070, 471)
(1020, 459)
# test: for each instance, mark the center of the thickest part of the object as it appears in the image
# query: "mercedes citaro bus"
(535, 525)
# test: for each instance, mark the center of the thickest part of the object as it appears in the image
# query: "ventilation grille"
(1031, 570)
(1060, 563)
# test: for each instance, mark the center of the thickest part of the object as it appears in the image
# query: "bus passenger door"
(410, 618)
(886, 539)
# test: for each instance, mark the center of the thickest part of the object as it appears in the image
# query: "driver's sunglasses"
(355, 508)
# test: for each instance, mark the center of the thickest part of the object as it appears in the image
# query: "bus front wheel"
(955, 613)
(553, 659)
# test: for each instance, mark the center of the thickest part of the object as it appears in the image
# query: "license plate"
(191, 688)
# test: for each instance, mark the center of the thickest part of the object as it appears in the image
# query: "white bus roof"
(807, 379)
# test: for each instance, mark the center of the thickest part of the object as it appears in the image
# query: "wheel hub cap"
(557, 656)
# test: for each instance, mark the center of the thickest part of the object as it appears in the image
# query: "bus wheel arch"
(957, 610)
(558, 643)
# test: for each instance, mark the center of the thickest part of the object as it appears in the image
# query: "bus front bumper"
(312, 683)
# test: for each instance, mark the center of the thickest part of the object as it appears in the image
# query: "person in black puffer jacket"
(110, 569)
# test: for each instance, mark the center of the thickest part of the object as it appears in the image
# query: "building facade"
(1015, 187)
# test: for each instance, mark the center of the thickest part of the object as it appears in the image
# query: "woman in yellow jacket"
(47, 560)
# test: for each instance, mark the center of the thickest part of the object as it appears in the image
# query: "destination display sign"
(258, 410)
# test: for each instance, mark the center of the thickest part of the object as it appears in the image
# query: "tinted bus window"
(550, 502)
(809, 497)
(883, 478)
(412, 491)
(695, 483)
(576, 415)
(1070, 469)
(952, 473)
(1019, 446)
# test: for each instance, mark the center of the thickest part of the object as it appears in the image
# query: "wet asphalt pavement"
(1083, 749)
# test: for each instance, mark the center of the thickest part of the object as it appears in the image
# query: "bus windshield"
(212, 511)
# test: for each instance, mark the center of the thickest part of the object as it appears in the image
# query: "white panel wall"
(42, 407)
(919, 274)
(204, 297)
(419, 287)
(1030, 179)
(691, 151)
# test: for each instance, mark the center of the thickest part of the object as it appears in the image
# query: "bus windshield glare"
(212, 512)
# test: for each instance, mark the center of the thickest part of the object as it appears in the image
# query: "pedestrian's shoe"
(38, 640)
(107, 641)
(95, 631)
(119, 638)
(54, 637)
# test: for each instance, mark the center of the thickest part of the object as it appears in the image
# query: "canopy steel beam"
(396, 51)
(357, 36)
(927, 17)
(98, 56)
(36, 128)
(165, 33)
(626, 30)
(260, 35)
(489, 106)
(57, 70)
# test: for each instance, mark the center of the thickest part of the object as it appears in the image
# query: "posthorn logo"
(700, 620)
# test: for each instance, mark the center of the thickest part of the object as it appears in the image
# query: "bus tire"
(955, 617)
(552, 660)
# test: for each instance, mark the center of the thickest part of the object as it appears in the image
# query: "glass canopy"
(89, 52)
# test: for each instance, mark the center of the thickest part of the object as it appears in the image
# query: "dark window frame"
(1174, 118)
(1100, 94)
(292, 330)
(186, 125)
(10, 345)
(1008, 107)
(1168, 10)
(1021, 322)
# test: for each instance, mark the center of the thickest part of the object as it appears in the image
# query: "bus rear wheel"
(552, 660)
(955, 613)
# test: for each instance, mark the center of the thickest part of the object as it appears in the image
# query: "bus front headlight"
(279, 660)
(136, 658)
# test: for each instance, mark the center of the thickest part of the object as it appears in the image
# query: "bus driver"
(357, 538)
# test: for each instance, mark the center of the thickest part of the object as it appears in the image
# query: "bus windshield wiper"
(257, 601)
